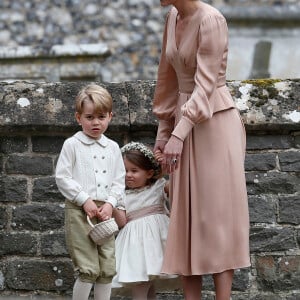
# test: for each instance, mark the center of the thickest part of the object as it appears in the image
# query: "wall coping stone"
(287, 13)
(54, 51)
(265, 105)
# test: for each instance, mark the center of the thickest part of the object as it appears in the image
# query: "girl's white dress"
(140, 243)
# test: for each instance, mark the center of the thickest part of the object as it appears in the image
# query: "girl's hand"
(158, 150)
(90, 208)
(172, 153)
(105, 211)
(120, 217)
(161, 159)
(159, 145)
(159, 156)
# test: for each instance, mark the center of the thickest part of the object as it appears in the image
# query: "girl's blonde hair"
(96, 94)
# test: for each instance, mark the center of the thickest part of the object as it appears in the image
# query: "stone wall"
(36, 118)
(132, 30)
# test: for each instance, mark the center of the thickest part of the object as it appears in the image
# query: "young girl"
(140, 243)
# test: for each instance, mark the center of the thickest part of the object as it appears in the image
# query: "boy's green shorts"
(92, 262)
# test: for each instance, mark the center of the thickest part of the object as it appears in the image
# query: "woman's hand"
(172, 153)
(159, 145)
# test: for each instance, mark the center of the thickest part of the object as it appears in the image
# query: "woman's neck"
(187, 8)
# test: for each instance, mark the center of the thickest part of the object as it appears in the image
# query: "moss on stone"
(263, 84)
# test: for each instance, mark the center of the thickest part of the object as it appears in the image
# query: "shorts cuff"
(104, 280)
(87, 278)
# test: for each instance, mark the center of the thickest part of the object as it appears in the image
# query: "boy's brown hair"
(98, 95)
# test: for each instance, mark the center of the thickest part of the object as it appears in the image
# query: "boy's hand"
(90, 208)
(105, 211)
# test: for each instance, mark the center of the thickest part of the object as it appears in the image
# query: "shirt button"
(98, 184)
(106, 186)
(104, 171)
(96, 171)
(95, 156)
(103, 157)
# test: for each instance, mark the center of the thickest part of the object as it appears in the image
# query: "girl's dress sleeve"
(166, 93)
(213, 42)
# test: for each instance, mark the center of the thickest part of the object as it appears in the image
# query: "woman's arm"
(212, 50)
(165, 95)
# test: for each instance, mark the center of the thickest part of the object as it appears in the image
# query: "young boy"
(90, 173)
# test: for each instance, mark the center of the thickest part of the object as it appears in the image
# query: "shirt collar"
(102, 141)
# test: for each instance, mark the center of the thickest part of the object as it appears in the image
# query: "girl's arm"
(120, 217)
(166, 188)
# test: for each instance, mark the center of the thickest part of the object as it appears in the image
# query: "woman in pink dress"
(202, 137)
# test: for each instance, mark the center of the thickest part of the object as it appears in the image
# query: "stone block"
(262, 142)
(262, 208)
(45, 190)
(52, 105)
(13, 189)
(277, 273)
(271, 239)
(55, 63)
(289, 210)
(51, 275)
(47, 144)
(18, 244)
(272, 183)
(140, 104)
(240, 281)
(297, 141)
(53, 244)
(260, 162)
(289, 161)
(29, 165)
(14, 144)
(265, 296)
(120, 120)
(38, 217)
(3, 217)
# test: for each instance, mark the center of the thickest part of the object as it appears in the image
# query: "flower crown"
(143, 149)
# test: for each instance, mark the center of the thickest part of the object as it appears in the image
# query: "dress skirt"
(209, 223)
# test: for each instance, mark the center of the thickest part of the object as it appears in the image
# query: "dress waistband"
(145, 211)
(189, 85)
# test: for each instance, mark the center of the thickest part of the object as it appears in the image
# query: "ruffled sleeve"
(213, 43)
(166, 93)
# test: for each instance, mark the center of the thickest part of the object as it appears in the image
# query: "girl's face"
(135, 176)
(93, 124)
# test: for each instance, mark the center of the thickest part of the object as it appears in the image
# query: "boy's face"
(93, 124)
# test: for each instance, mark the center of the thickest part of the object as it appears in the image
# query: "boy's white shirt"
(89, 168)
